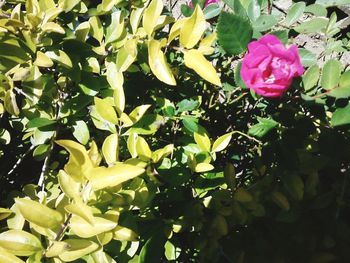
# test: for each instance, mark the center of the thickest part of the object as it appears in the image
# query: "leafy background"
(109, 163)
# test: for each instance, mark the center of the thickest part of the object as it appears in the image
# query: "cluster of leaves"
(133, 138)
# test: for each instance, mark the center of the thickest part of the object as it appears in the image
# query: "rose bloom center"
(277, 69)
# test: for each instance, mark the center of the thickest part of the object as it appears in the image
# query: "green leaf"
(20, 243)
(253, 10)
(38, 214)
(308, 58)
(341, 116)
(294, 185)
(234, 40)
(328, 3)
(211, 11)
(312, 26)
(316, 9)
(242, 195)
(40, 122)
(153, 248)
(186, 10)
(343, 90)
(310, 77)
(187, 105)
(330, 74)
(264, 23)
(295, 12)
(262, 128)
(237, 7)
(81, 132)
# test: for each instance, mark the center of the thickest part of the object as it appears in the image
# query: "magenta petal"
(270, 40)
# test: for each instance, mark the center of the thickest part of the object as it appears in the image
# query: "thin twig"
(20, 159)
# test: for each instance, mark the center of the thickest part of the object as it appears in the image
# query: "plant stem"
(20, 160)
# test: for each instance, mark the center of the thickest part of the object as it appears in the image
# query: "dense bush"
(129, 135)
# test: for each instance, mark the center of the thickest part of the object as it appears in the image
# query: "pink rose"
(206, 3)
(269, 67)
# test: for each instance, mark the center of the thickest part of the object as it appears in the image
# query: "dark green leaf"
(234, 39)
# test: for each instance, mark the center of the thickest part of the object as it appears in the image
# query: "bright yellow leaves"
(151, 15)
(81, 167)
(193, 28)
(196, 61)
(158, 64)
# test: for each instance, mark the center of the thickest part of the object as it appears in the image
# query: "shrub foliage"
(128, 135)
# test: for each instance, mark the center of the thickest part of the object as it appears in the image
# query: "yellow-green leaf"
(202, 139)
(4, 213)
(106, 110)
(142, 149)
(138, 112)
(126, 55)
(61, 57)
(82, 210)
(102, 177)
(84, 229)
(124, 234)
(193, 28)
(222, 142)
(77, 249)
(131, 144)
(96, 29)
(175, 29)
(162, 153)
(10, 103)
(19, 242)
(110, 149)
(158, 64)
(151, 15)
(56, 248)
(196, 61)
(52, 27)
(82, 31)
(79, 163)
(7, 257)
(203, 167)
(42, 60)
(119, 100)
(69, 187)
(242, 195)
(38, 214)
(280, 200)
(114, 77)
(135, 18)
